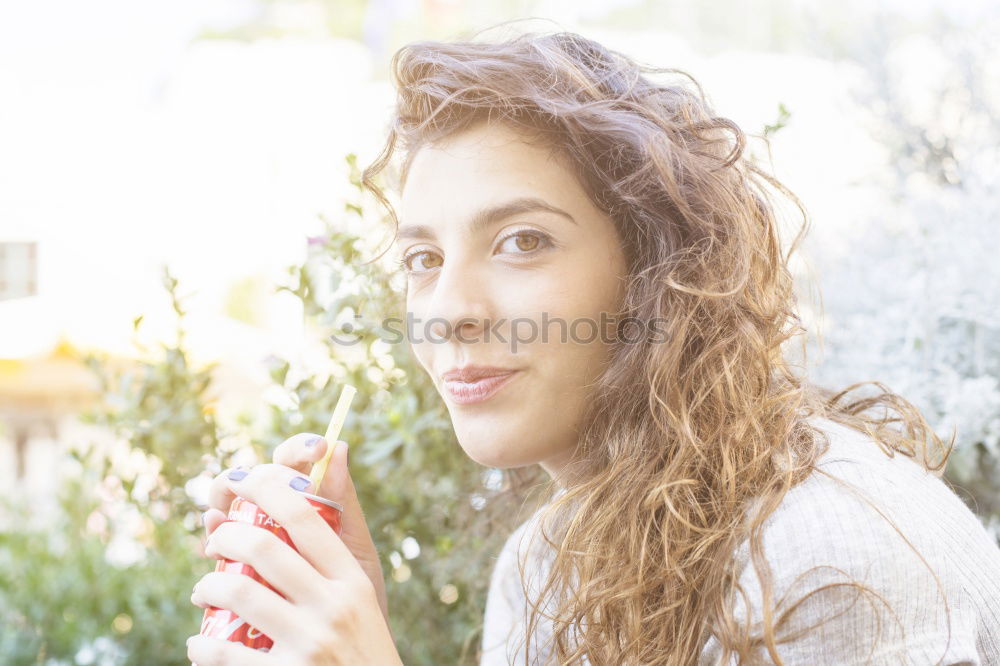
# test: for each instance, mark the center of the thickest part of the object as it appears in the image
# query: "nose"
(460, 308)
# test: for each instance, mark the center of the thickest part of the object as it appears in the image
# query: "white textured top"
(820, 522)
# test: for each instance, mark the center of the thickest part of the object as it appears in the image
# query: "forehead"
(484, 164)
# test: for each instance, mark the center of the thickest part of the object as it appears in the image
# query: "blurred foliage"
(281, 18)
(109, 582)
(914, 296)
(779, 123)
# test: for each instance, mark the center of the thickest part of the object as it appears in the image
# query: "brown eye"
(523, 242)
(427, 261)
(526, 243)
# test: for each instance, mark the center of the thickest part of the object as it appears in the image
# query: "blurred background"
(181, 228)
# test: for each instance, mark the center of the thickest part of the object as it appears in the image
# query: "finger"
(220, 496)
(212, 519)
(300, 451)
(205, 651)
(313, 538)
(275, 561)
(220, 492)
(338, 485)
(253, 602)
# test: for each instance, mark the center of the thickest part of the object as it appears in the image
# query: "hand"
(327, 611)
(299, 452)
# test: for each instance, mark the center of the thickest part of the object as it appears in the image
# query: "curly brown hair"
(689, 445)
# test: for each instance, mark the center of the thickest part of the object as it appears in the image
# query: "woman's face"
(500, 243)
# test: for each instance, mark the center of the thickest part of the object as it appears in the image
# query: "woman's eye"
(421, 259)
(523, 242)
(520, 242)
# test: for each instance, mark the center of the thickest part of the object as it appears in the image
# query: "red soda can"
(225, 624)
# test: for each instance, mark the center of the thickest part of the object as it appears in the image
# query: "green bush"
(109, 581)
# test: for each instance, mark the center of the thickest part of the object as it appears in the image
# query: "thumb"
(338, 486)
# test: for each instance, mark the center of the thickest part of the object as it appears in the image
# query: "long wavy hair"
(689, 445)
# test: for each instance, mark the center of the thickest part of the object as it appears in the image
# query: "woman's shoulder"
(521, 557)
(503, 621)
(864, 509)
(886, 551)
(872, 501)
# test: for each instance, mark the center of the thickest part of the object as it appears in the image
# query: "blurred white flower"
(124, 551)
(411, 548)
(102, 651)
(197, 489)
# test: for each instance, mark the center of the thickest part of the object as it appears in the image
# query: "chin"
(493, 454)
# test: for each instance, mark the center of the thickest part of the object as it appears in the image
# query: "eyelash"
(545, 239)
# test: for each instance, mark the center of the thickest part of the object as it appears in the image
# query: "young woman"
(595, 268)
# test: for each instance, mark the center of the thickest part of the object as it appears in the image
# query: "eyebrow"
(489, 216)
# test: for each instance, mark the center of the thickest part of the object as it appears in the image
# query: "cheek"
(412, 333)
(586, 307)
(420, 347)
(576, 354)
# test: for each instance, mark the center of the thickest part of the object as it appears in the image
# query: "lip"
(476, 384)
(471, 373)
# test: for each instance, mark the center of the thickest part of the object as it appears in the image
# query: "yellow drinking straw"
(332, 432)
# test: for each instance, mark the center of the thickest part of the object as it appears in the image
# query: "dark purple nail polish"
(312, 441)
(237, 474)
(300, 483)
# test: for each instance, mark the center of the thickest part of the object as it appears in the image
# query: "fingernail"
(348, 454)
(237, 474)
(313, 441)
(300, 483)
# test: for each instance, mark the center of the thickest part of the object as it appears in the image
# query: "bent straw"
(332, 432)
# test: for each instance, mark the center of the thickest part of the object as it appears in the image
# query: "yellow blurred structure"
(37, 396)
